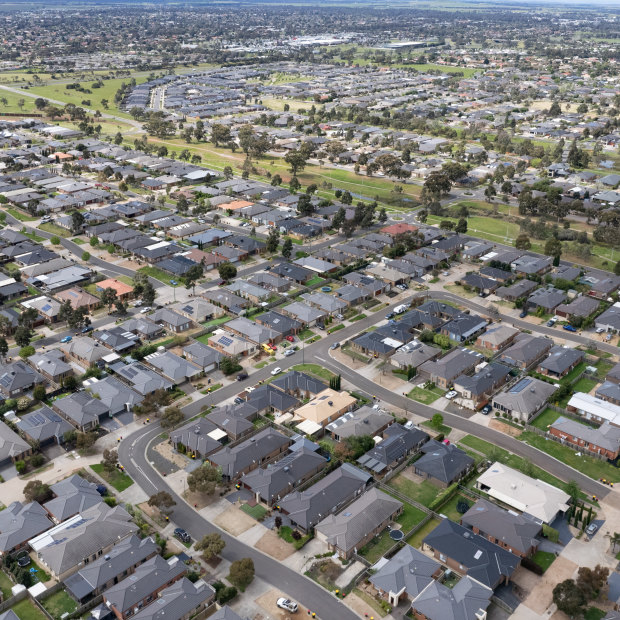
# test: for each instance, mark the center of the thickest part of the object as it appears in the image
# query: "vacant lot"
(273, 545)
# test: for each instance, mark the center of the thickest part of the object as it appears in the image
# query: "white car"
(138, 303)
(600, 330)
(285, 603)
(276, 371)
(145, 310)
(451, 394)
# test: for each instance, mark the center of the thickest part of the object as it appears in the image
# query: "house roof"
(606, 436)
(82, 408)
(195, 436)
(497, 335)
(11, 444)
(561, 358)
(347, 529)
(19, 522)
(142, 379)
(399, 442)
(172, 366)
(364, 421)
(43, 424)
(114, 394)
(120, 287)
(73, 495)
(525, 350)
(444, 462)
(18, 376)
(296, 380)
(526, 396)
(324, 405)
(85, 348)
(455, 363)
(483, 381)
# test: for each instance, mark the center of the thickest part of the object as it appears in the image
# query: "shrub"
(36, 460)
(55, 240)
(296, 535)
(226, 594)
(23, 403)
(20, 466)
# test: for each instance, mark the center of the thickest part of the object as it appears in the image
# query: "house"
(528, 265)
(594, 408)
(235, 420)
(292, 272)
(609, 320)
(518, 290)
(84, 350)
(405, 575)
(172, 320)
(580, 307)
(250, 454)
(526, 351)
(141, 379)
(560, 361)
(479, 283)
(116, 396)
(530, 496)
(271, 282)
(227, 344)
(71, 496)
(47, 307)
(173, 367)
(399, 228)
(82, 539)
(43, 426)
(51, 364)
(497, 338)
(272, 483)
(79, 298)
(514, 532)
(256, 294)
(82, 410)
(362, 520)
(445, 370)
(227, 300)
(414, 354)
(442, 464)
(396, 443)
(19, 523)
(143, 328)
(180, 601)
(613, 374)
(123, 291)
(604, 287)
(116, 338)
(467, 599)
(475, 390)
(202, 355)
(12, 446)
(304, 314)
(198, 310)
(463, 327)
(329, 304)
(470, 554)
(524, 399)
(326, 407)
(143, 586)
(548, 299)
(16, 378)
(364, 421)
(604, 440)
(279, 323)
(298, 384)
(121, 561)
(200, 438)
(306, 508)
(250, 331)
(608, 391)
(225, 613)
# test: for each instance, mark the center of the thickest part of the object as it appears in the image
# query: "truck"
(400, 309)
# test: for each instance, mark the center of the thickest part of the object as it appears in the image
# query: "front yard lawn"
(54, 229)
(286, 533)
(158, 274)
(423, 493)
(305, 333)
(583, 385)
(215, 322)
(117, 479)
(256, 512)
(445, 430)
(59, 603)
(315, 369)
(544, 559)
(424, 396)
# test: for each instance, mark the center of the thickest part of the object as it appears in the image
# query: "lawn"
(449, 508)
(445, 430)
(5, 585)
(256, 512)
(423, 493)
(370, 601)
(415, 540)
(594, 613)
(574, 373)
(494, 229)
(590, 466)
(315, 369)
(215, 322)
(545, 419)
(314, 281)
(305, 333)
(514, 461)
(27, 610)
(425, 396)
(117, 479)
(158, 274)
(336, 328)
(457, 289)
(602, 368)
(359, 317)
(544, 559)
(286, 533)
(59, 231)
(377, 547)
(59, 603)
(33, 236)
(20, 215)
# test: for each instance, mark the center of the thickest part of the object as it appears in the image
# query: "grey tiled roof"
(177, 601)
(442, 461)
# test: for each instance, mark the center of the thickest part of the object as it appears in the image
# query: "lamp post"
(174, 289)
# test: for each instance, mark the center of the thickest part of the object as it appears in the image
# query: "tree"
(227, 271)
(39, 392)
(4, 347)
(85, 441)
(204, 479)
(163, 501)
(22, 336)
(108, 298)
(40, 103)
(171, 417)
(192, 275)
(26, 351)
(229, 365)
(461, 226)
(591, 580)
(109, 460)
(553, 247)
(304, 205)
(241, 573)
(77, 222)
(85, 256)
(522, 242)
(210, 545)
(437, 421)
(37, 491)
(569, 598)
(617, 268)
(287, 248)
(296, 161)
(55, 240)
(220, 134)
(273, 240)
(339, 218)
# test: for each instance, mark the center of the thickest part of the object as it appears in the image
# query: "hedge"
(443, 497)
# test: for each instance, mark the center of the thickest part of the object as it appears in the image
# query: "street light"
(174, 288)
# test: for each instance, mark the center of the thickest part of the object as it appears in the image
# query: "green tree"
(592, 580)
(437, 421)
(55, 240)
(461, 226)
(211, 545)
(37, 491)
(39, 392)
(227, 271)
(4, 348)
(229, 365)
(296, 161)
(569, 598)
(523, 242)
(85, 256)
(22, 336)
(163, 501)
(171, 417)
(192, 275)
(553, 247)
(287, 248)
(77, 222)
(204, 479)
(108, 298)
(241, 573)
(273, 239)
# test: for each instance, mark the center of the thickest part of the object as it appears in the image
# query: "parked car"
(451, 394)
(570, 328)
(87, 328)
(285, 603)
(66, 339)
(290, 338)
(289, 353)
(600, 330)
(238, 400)
(591, 529)
(138, 303)
(182, 535)
(145, 310)
(389, 316)
(340, 317)
(486, 410)
(335, 346)
(550, 323)
(523, 314)
(276, 371)
(608, 338)
(242, 376)
(102, 489)
(272, 347)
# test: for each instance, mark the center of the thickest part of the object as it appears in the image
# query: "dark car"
(238, 400)
(23, 559)
(88, 328)
(102, 490)
(182, 535)
(486, 410)
(242, 376)
(523, 314)
(389, 316)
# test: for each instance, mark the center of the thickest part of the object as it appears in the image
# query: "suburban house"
(84, 350)
(470, 554)
(514, 532)
(140, 378)
(79, 298)
(18, 378)
(530, 496)
(609, 320)
(560, 361)
(12, 446)
(82, 410)
(526, 351)
(20, 522)
(528, 265)
(200, 438)
(497, 338)
(123, 291)
(523, 399)
(44, 426)
(114, 394)
(171, 320)
(202, 355)
(51, 365)
(71, 496)
(475, 390)
(306, 508)
(445, 370)
(463, 327)
(547, 299)
(580, 307)
(363, 421)
(442, 464)
(326, 407)
(517, 290)
(348, 531)
(414, 354)
(299, 384)
(173, 367)
(604, 440)
(608, 391)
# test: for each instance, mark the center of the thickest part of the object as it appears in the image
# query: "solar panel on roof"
(225, 340)
(46, 307)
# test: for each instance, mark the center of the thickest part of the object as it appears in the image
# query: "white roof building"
(593, 408)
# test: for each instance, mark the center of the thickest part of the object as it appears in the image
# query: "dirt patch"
(268, 602)
(234, 521)
(200, 500)
(541, 596)
(167, 451)
(273, 545)
(525, 581)
(498, 425)
(360, 606)
(390, 381)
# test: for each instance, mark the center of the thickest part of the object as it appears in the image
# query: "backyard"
(415, 540)
(27, 610)
(5, 585)
(58, 604)
(422, 492)
(116, 478)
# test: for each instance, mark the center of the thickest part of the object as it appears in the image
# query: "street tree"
(108, 298)
(171, 417)
(273, 240)
(204, 479)
(241, 573)
(287, 249)
(227, 271)
(211, 545)
(163, 501)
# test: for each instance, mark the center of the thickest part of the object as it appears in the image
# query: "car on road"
(46, 218)
(451, 394)
(182, 535)
(66, 339)
(87, 328)
(335, 346)
(242, 376)
(569, 328)
(523, 314)
(285, 603)
(289, 353)
(290, 338)
(600, 330)
(276, 371)
(389, 316)
(486, 410)
(591, 529)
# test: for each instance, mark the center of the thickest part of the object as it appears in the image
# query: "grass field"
(316, 370)
(20, 215)
(423, 493)
(27, 610)
(158, 274)
(117, 479)
(256, 512)
(547, 417)
(425, 396)
(59, 231)
(58, 604)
